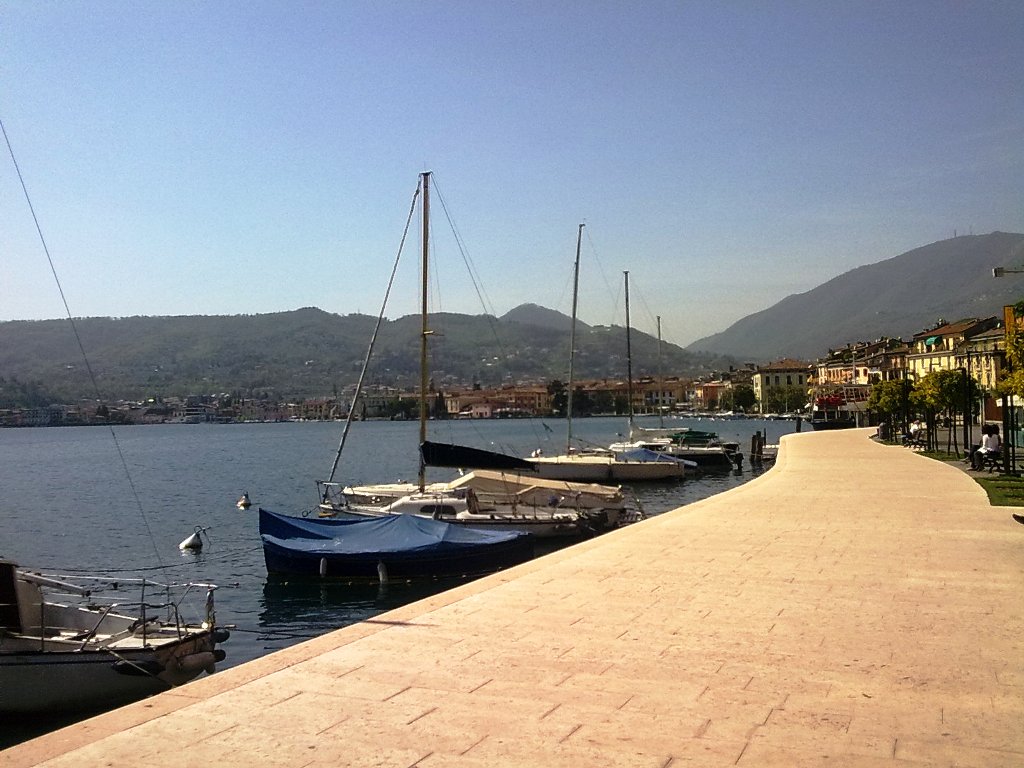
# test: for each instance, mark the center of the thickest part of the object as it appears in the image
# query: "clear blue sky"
(235, 158)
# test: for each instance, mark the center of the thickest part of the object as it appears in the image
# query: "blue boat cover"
(389, 534)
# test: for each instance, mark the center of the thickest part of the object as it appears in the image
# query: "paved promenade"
(859, 605)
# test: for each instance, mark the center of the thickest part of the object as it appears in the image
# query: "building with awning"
(938, 348)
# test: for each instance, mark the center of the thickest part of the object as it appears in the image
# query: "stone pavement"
(858, 605)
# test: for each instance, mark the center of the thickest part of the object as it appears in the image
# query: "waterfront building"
(936, 349)
(782, 373)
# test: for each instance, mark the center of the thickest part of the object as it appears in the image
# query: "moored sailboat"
(462, 505)
(632, 464)
(66, 647)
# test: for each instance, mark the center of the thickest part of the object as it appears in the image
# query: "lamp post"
(1000, 271)
(1009, 449)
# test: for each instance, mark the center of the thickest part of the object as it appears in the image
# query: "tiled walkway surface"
(859, 605)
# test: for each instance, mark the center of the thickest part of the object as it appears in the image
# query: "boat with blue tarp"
(392, 547)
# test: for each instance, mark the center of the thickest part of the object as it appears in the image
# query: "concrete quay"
(859, 605)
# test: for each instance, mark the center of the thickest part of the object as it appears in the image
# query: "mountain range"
(311, 353)
(950, 279)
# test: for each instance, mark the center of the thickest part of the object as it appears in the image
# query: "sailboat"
(699, 449)
(510, 501)
(76, 643)
(632, 464)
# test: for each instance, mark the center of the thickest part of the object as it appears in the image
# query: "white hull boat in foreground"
(65, 655)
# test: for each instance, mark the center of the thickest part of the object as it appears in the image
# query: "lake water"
(68, 504)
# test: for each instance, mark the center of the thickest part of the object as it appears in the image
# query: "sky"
(233, 158)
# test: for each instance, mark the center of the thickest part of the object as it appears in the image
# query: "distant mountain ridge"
(949, 279)
(310, 353)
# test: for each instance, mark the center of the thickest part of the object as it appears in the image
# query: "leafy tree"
(1012, 380)
(559, 397)
(783, 399)
(890, 400)
(581, 403)
(949, 393)
(743, 397)
(603, 401)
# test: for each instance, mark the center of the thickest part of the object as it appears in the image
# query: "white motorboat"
(66, 647)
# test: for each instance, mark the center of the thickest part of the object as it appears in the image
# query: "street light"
(1000, 271)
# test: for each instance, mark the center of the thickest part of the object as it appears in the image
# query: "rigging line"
(78, 339)
(647, 309)
(600, 268)
(373, 339)
(463, 251)
(486, 304)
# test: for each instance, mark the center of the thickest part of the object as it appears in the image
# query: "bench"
(991, 461)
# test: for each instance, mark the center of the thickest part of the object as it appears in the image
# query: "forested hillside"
(307, 353)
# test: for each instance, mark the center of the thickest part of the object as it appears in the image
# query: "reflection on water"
(299, 609)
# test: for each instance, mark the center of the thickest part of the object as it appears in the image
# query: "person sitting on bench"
(989, 449)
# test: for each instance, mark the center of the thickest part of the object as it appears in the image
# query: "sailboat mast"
(572, 340)
(425, 331)
(629, 356)
(661, 381)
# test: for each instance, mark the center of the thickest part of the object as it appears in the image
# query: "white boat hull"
(597, 469)
(69, 650)
(541, 522)
(68, 681)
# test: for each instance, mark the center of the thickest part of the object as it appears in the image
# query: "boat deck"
(857, 605)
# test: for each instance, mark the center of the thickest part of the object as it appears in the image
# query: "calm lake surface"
(68, 505)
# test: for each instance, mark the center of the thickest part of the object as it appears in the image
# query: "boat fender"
(220, 635)
(382, 572)
(323, 567)
(196, 662)
(195, 541)
(218, 655)
(149, 668)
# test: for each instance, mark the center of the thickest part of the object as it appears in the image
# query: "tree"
(1012, 380)
(889, 400)
(559, 398)
(743, 397)
(946, 392)
(603, 402)
(783, 399)
(581, 403)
